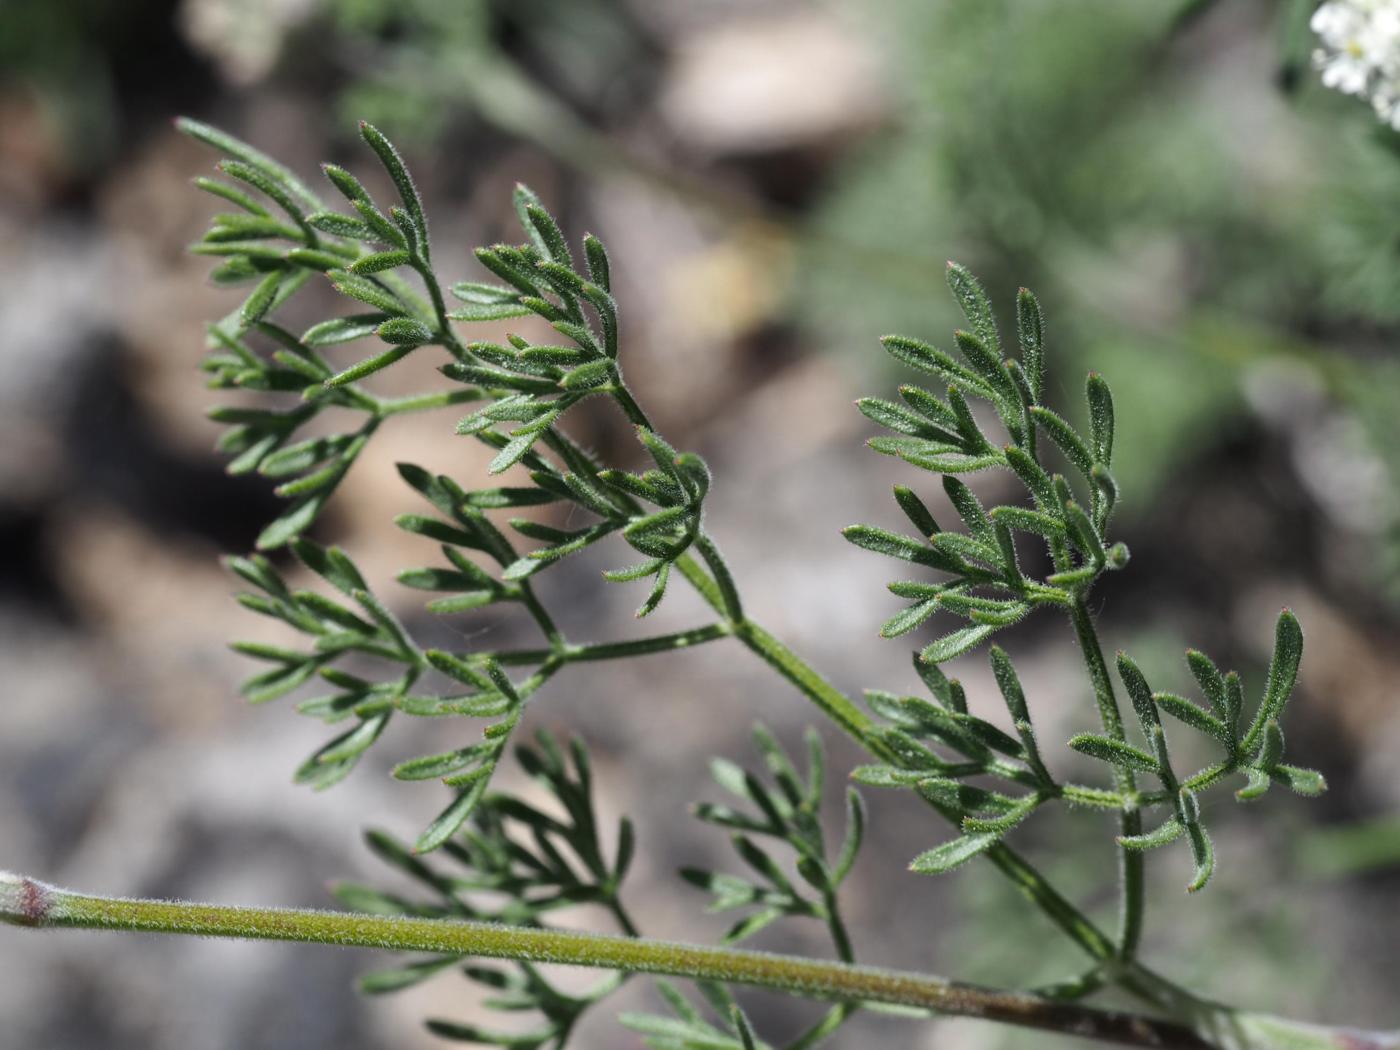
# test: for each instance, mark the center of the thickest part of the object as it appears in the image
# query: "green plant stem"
(445, 331)
(1199, 1026)
(641, 646)
(1098, 670)
(27, 902)
(659, 643)
(839, 708)
(630, 408)
(856, 724)
(830, 1021)
(724, 580)
(542, 618)
(834, 924)
(1036, 888)
(1131, 863)
(833, 703)
(425, 402)
(839, 1013)
(624, 920)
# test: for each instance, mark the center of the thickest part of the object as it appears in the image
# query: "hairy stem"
(574, 653)
(1098, 670)
(630, 408)
(856, 724)
(839, 1013)
(837, 928)
(833, 703)
(29, 903)
(1070, 920)
(1131, 863)
(724, 580)
(394, 406)
(641, 646)
(543, 620)
(445, 331)
(1198, 1026)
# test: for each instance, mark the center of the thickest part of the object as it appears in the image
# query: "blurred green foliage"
(1364, 847)
(437, 60)
(1149, 171)
(53, 49)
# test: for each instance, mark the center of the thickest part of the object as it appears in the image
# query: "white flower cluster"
(1360, 52)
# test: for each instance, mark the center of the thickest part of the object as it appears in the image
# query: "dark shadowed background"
(779, 184)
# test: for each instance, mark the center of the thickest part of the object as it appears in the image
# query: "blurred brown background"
(779, 184)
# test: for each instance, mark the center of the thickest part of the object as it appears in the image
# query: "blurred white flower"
(243, 37)
(1360, 52)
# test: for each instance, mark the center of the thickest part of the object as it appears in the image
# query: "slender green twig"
(642, 646)
(426, 402)
(729, 593)
(1131, 870)
(597, 651)
(1069, 919)
(837, 706)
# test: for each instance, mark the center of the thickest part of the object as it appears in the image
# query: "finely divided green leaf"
(976, 307)
(953, 853)
(1283, 672)
(955, 644)
(1100, 418)
(1166, 832)
(1114, 752)
(1030, 332)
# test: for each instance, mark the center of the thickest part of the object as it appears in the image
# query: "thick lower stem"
(1203, 1026)
(30, 903)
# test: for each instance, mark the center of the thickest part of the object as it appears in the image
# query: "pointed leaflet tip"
(1101, 416)
(1283, 672)
(1139, 692)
